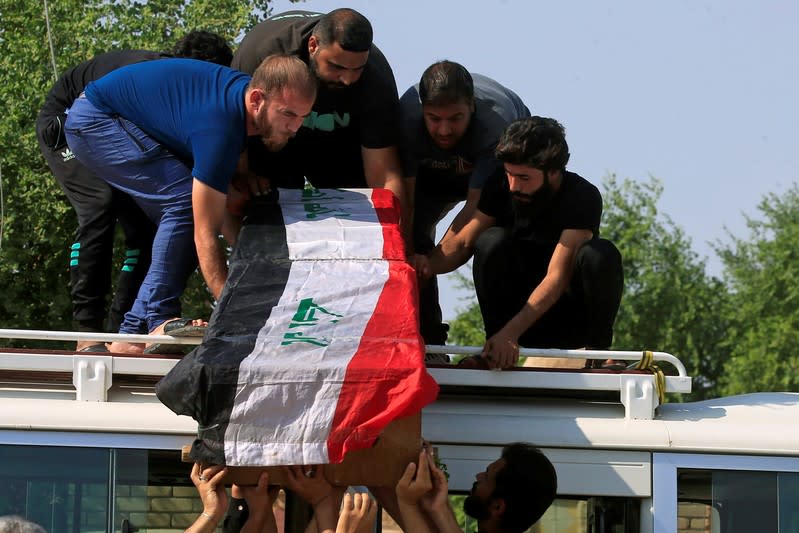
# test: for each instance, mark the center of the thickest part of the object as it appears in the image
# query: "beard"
(475, 507)
(332, 85)
(269, 137)
(527, 208)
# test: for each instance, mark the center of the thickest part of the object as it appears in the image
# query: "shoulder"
(496, 106)
(284, 33)
(378, 73)
(410, 105)
(495, 100)
(581, 190)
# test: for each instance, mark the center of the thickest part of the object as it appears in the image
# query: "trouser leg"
(506, 272)
(139, 232)
(91, 253)
(599, 282)
(174, 258)
(428, 212)
(500, 281)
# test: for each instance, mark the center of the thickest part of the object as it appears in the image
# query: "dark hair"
(536, 142)
(528, 484)
(279, 71)
(446, 82)
(204, 45)
(345, 26)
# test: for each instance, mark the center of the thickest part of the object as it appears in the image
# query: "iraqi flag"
(314, 345)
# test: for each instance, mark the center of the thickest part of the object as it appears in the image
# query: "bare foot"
(80, 345)
(125, 347)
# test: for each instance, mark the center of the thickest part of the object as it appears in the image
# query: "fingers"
(217, 473)
(263, 481)
(407, 476)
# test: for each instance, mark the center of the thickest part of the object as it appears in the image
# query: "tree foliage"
(669, 304)
(762, 272)
(38, 224)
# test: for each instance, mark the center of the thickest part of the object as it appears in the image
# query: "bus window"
(62, 489)
(734, 501)
(66, 489)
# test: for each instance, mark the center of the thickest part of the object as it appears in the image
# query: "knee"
(493, 240)
(599, 256)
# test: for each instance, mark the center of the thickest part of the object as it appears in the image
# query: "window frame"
(664, 478)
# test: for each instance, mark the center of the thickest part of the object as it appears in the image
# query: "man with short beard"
(170, 134)
(511, 495)
(543, 276)
(451, 121)
(350, 139)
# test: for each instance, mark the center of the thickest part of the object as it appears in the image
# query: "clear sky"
(702, 94)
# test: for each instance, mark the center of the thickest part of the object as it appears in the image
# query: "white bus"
(85, 446)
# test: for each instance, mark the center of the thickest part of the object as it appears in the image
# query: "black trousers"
(506, 271)
(428, 211)
(98, 207)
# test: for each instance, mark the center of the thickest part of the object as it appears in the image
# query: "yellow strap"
(647, 363)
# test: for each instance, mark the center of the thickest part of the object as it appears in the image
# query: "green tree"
(669, 304)
(763, 274)
(38, 224)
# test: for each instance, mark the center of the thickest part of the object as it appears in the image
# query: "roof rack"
(92, 374)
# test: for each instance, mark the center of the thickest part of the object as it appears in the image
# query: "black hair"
(446, 82)
(205, 46)
(536, 142)
(527, 483)
(345, 26)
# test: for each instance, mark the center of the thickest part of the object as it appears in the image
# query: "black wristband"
(237, 514)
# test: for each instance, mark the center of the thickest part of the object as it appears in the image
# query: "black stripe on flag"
(203, 384)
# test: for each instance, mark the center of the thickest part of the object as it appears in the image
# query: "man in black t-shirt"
(350, 139)
(99, 206)
(543, 276)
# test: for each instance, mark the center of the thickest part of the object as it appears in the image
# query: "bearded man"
(170, 134)
(543, 276)
(351, 137)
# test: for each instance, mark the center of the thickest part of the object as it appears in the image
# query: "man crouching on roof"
(543, 276)
(170, 133)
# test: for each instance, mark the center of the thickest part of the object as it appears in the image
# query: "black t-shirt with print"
(327, 148)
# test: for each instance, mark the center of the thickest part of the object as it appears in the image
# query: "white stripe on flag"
(288, 386)
(331, 224)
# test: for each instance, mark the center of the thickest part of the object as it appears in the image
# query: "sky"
(701, 94)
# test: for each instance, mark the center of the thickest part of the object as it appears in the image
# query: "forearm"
(540, 301)
(413, 519)
(396, 185)
(326, 515)
(445, 521)
(448, 256)
(205, 523)
(258, 523)
(212, 260)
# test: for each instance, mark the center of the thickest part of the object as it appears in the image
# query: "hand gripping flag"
(314, 345)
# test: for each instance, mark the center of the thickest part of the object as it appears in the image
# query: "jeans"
(160, 184)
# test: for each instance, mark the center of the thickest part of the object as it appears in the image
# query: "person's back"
(194, 108)
(99, 207)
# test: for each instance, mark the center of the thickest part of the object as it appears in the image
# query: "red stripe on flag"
(386, 377)
(387, 208)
